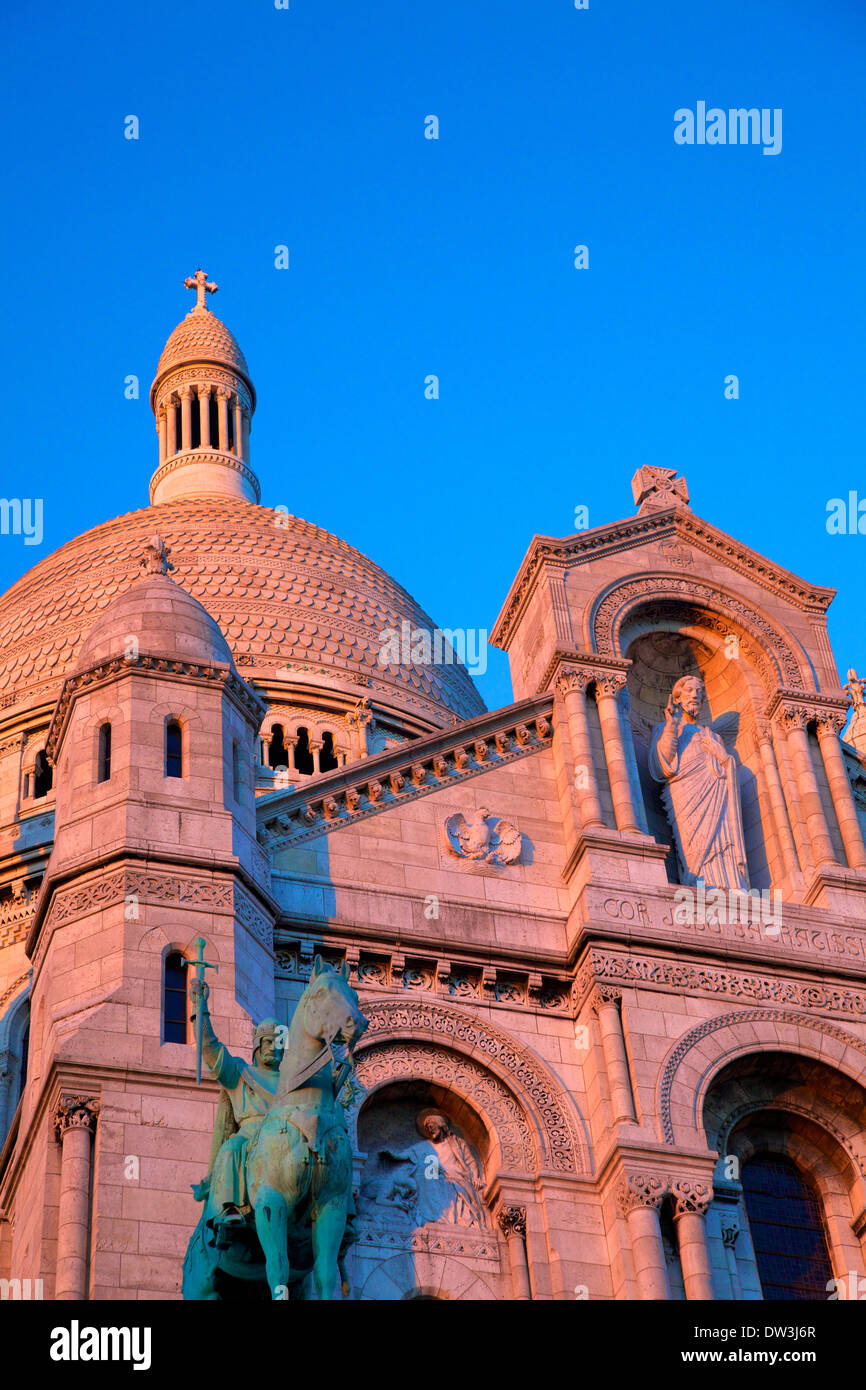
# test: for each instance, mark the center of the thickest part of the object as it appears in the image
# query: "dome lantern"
(203, 400)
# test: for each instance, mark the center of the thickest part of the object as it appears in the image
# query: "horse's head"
(330, 1006)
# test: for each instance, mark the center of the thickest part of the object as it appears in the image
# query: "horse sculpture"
(298, 1165)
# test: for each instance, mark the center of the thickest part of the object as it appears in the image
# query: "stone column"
(571, 685)
(161, 426)
(204, 415)
(512, 1223)
(691, 1200)
(172, 428)
(606, 1002)
(185, 394)
(789, 789)
(730, 1231)
(238, 409)
(640, 1198)
(75, 1122)
(794, 720)
(223, 403)
(607, 687)
(829, 728)
(784, 838)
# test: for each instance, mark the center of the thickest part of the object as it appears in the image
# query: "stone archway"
(771, 650)
(697, 1057)
(529, 1113)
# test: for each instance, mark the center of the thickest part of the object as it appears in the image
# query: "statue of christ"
(700, 794)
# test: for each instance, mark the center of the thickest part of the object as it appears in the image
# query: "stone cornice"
(403, 774)
(247, 701)
(643, 530)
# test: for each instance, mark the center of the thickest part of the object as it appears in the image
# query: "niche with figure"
(661, 656)
(422, 1164)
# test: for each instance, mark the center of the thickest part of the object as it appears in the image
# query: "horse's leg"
(271, 1214)
(329, 1225)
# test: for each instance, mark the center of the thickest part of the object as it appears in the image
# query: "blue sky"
(410, 256)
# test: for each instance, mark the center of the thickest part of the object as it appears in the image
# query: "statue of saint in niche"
(700, 795)
(437, 1179)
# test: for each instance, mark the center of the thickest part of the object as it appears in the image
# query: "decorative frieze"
(427, 974)
(214, 895)
(603, 967)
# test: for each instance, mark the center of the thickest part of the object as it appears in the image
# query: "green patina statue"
(278, 1192)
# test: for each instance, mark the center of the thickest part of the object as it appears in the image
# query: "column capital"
(75, 1112)
(640, 1190)
(571, 678)
(602, 995)
(588, 665)
(690, 1197)
(831, 722)
(610, 682)
(512, 1221)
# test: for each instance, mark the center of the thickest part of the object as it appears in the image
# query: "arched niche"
(662, 651)
(807, 1116)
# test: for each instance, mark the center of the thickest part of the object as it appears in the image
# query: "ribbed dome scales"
(288, 597)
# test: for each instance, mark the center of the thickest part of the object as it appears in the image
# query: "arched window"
(214, 413)
(173, 749)
(42, 775)
(22, 1061)
(15, 1045)
(174, 999)
(195, 422)
(278, 755)
(787, 1230)
(327, 756)
(236, 770)
(103, 771)
(303, 756)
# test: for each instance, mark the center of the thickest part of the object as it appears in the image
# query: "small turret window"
(303, 756)
(327, 756)
(173, 749)
(174, 999)
(195, 422)
(103, 772)
(42, 775)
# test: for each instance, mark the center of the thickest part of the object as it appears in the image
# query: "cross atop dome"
(654, 488)
(202, 286)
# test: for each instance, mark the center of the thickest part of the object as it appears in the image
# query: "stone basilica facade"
(597, 1066)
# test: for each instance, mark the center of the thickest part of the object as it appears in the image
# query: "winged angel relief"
(483, 839)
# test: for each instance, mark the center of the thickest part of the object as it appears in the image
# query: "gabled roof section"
(677, 523)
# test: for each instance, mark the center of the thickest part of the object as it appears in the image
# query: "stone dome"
(295, 604)
(201, 337)
(165, 621)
